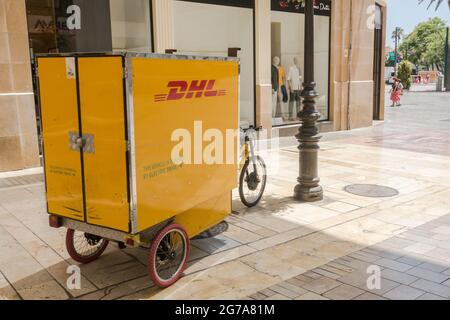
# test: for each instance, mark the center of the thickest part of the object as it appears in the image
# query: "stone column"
(18, 129)
(263, 64)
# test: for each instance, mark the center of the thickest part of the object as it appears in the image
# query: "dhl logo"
(196, 89)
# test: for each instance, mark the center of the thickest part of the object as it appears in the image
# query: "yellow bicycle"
(253, 177)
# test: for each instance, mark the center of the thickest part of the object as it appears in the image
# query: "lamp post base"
(306, 194)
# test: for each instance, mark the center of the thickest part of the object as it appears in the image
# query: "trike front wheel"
(168, 255)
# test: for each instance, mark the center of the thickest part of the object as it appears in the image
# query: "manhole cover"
(371, 191)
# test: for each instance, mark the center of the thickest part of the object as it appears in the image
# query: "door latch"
(85, 143)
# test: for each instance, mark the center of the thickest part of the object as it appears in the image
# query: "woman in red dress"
(396, 92)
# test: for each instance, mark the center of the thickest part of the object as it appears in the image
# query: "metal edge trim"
(109, 234)
(131, 139)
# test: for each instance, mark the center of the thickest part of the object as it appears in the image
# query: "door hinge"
(128, 146)
(125, 72)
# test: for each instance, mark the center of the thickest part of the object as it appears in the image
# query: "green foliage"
(425, 45)
(404, 73)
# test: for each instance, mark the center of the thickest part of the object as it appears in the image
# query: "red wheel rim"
(84, 248)
(166, 262)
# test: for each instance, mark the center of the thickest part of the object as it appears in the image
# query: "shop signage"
(228, 3)
(321, 7)
(46, 24)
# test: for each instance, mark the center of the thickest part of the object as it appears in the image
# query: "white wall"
(206, 29)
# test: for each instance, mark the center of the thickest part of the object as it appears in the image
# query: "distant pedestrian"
(396, 92)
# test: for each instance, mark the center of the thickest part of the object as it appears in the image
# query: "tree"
(396, 36)
(425, 45)
(404, 73)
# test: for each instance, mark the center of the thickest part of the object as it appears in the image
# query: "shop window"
(287, 45)
(210, 29)
(60, 26)
(131, 25)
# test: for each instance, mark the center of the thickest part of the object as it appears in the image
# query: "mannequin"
(295, 87)
(275, 86)
(278, 86)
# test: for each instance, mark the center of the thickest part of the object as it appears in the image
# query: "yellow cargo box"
(111, 125)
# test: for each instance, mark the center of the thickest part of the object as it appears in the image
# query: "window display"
(288, 51)
(210, 29)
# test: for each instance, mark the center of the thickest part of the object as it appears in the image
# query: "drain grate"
(371, 191)
(21, 181)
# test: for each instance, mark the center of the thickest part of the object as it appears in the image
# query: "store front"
(287, 47)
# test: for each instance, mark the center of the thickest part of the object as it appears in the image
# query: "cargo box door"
(60, 130)
(103, 121)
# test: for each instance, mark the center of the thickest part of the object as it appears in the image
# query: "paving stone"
(445, 230)
(403, 293)
(446, 283)
(286, 292)
(321, 285)
(428, 275)
(392, 264)
(215, 245)
(412, 261)
(268, 292)
(354, 263)
(311, 296)
(369, 296)
(432, 287)
(327, 273)
(359, 280)
(447, 272)
(433, 266)
(341, 207)
(398, 243)
(258, 296)
(296, 282)
(343, 268)
(343, 292)
(293, 288)
(383, 253)
(397, 276)
(364, 256)
(430, 296)
(278, 297)
(334, 270)
(420, 248)
(312, 275)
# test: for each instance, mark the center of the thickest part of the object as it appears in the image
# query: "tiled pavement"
(282, 249)
(408, 271)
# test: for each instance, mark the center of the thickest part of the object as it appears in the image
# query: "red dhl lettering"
(179, 90)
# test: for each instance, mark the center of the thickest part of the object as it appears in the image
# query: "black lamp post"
(308, 188)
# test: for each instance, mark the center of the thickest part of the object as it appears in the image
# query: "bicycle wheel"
(252, 182)
(168, 255)
(84, 247)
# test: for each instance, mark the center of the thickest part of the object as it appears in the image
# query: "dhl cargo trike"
(140, 149)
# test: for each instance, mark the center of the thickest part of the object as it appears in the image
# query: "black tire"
(249, 179)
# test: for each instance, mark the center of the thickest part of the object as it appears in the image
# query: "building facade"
(349, 55)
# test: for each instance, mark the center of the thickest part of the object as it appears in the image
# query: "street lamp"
(308, 188)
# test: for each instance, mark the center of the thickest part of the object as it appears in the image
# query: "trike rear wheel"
(168, 255)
